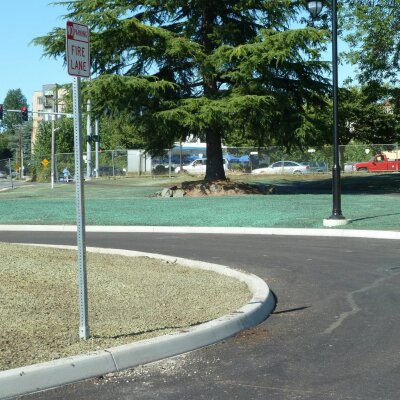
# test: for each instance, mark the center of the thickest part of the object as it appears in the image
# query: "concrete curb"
(47, 375)
(327, 232)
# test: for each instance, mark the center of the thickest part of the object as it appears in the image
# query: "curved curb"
(51, 374)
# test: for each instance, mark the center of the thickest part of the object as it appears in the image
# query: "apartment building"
(45, 102)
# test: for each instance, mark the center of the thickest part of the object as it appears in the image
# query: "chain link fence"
(246, 159)
(7, 174)
(110, 163)
(238, 160)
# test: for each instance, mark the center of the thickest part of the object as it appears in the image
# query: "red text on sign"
(78, 51)
(75, 65)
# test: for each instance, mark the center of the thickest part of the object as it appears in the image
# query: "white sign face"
(78, 53)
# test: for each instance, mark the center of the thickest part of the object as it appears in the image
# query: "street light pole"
(337, 217)
(336, 184)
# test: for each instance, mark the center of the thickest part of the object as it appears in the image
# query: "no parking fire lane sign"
(78, 52)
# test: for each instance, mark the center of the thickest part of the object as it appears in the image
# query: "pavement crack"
(353, 305)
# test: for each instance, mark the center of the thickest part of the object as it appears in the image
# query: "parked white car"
(283, 167)
(198, 166)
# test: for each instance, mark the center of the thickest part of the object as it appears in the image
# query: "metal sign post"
(78, 65)
(80, 211)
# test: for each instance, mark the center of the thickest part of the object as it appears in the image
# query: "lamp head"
(314, 7)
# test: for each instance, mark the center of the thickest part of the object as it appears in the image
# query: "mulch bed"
(217, 188)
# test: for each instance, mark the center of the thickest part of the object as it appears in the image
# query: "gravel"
(130, 299)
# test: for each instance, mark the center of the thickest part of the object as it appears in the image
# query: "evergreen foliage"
(16, 133)
(14, 100)
(208, 69)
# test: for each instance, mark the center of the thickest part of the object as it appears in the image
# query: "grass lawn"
(369, 200)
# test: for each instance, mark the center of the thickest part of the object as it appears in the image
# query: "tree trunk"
(215, 167)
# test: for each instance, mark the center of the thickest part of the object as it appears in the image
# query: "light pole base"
(331, 222)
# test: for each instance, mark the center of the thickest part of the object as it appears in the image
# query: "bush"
(236, 167)
(42, 174)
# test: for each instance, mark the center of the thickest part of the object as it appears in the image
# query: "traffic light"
(1, 112)
(24, 113)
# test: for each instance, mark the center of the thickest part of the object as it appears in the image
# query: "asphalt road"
(6, 184)
(334, 333)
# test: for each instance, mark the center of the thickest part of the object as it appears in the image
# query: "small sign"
(77, 49)
(45, 162)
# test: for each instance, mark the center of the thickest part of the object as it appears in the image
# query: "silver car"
(283, 167)
(198, 166)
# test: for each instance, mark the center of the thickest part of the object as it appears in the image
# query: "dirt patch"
(216, 188)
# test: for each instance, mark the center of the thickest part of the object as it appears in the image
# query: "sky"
(22, 65)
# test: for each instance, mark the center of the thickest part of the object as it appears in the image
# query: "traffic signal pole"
(21, 153)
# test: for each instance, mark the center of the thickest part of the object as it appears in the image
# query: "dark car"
(316, 166)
